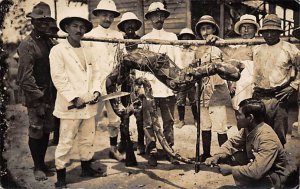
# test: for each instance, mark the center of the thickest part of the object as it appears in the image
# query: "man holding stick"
(215, 98)
(255, 152)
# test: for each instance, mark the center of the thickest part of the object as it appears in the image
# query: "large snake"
(160, 65)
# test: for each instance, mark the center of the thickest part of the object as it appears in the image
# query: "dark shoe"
(60, 185)
(131, 163)
(61, 179)
(203, 157)
(88, 171)
(141, 149)
(92, 173)
(115, 154)
(172, 160)
(152, 161)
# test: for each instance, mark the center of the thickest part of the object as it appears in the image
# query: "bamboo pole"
(219, 43)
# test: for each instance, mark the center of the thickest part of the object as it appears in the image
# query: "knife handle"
(71, 107)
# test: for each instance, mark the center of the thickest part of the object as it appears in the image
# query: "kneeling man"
(255, 152)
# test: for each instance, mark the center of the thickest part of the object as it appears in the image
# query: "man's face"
(76, 30)
(42, 26)
(271, 36)
(186, 37)
(242, 120)
(53, 29)
(129, 27)
(247, 31)
(207, 29)
(157, 19)
(106, 18)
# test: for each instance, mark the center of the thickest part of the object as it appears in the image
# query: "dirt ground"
(165, 175)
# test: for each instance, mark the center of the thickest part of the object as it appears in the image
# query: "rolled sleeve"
(233, 144)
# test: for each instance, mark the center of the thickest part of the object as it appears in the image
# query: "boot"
(56, 131)
(172, 160)
(152, 160)
(55, 137)
(88, 171)
(115, 154)
(122, 144)
(141, 148)
(181, 112)
(130, 160)
(61, 178)
(222, 138)
(206, 143)
(195, 112)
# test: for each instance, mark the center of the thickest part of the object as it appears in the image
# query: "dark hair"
(255, 107)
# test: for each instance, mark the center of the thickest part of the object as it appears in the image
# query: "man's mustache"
(79, 33)
(159, 22)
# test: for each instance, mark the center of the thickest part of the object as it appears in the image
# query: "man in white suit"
(75, 75)
(107, 54)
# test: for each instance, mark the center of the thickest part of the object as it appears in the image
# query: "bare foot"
(39, 175)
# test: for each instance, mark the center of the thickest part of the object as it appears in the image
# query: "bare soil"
(165, 175)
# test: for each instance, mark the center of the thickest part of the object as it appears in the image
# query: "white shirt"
(244, 86)
(159, 89)
(273, 65)
(107, 54)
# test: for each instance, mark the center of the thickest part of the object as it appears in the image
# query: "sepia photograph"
(170, 94)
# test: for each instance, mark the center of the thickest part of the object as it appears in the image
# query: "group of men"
(54, 77)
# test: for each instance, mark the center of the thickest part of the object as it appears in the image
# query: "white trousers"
(84, 129)
(114, 120)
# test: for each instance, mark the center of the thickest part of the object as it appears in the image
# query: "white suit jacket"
(107, 54)
(72, 80)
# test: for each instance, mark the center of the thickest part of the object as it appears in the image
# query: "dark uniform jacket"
(34, 77)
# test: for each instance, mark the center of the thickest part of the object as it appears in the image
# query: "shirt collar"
(68, 45)
(155, 31)
(254, 131)
(103, 29)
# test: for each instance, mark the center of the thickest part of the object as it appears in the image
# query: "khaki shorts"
(214, 117)
(40, 125)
